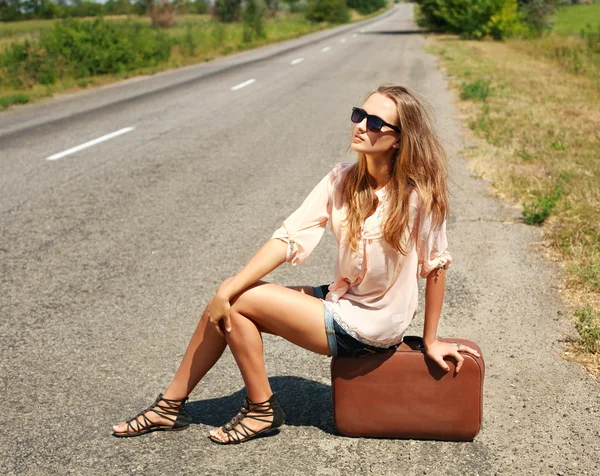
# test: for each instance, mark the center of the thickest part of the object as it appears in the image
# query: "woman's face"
(376, 143)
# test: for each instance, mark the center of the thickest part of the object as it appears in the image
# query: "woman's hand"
(219, 308)
(437, 350)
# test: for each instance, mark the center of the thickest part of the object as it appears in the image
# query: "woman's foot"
(163, 415)
(252, 420)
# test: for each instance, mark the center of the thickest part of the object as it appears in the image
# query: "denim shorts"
(342, 344)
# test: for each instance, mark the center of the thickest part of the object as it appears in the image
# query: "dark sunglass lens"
(357, 115)
(374, 123)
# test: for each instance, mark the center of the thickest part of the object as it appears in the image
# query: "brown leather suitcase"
(405, 394)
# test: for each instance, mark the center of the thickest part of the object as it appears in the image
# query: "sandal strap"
(265, 410)
(161, 410)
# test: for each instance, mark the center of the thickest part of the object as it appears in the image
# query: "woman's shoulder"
(342, 167)
(338, 174)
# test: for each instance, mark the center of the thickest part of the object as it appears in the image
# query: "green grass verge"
(193, 39)
(10, 99)
(570, 20)
(536, 122)
(589, 329)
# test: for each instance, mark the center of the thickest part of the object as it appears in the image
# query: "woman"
(388, 214)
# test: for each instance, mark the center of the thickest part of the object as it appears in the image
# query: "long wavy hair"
(420, 163)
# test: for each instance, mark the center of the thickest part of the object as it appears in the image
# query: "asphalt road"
(109, 254)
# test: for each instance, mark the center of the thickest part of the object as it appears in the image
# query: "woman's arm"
(434, 299)
(269, 257)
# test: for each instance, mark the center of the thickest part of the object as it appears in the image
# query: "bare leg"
(204, 350)
(297, 318)
(206, 347)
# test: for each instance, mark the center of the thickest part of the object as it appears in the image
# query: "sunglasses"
(374, 123)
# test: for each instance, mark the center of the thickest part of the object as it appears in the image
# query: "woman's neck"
(379, 170)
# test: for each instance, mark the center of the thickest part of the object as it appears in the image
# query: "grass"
(535, 122)
(10, 99)
(570, 20)
(200, 39)
(587, 325)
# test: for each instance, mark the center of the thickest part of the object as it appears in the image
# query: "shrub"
(536, 14)
(200, 7)
(366, 6)
(332, 11)
(271, 7)
(298, 6)
(162, 14)
(506, 22)
(253, 25)
(228, 11)
(83, 48)
(19, 98)
(473, 19)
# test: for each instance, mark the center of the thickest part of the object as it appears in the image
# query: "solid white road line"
(242, 85)
(325, 49)
(297, 60)
(90, 143)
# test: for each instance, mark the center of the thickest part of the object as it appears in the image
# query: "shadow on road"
(305, 402)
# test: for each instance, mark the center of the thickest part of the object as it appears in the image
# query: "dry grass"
(537, 140)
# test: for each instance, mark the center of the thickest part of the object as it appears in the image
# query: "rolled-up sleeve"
(432, 246)
(304, 228)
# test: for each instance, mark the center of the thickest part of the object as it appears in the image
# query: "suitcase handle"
(418, 342)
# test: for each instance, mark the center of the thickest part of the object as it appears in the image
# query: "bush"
(506, 22)
(366, 6)
(536, 14)
(83, 48)
(271, 7)
(253, 25)
(228, 11)
(332, 11)
(162, 14)
(19, 98)
(200, 7)
(298, 6)
(473, 19)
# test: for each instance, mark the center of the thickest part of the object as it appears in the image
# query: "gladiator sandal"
(264, 410)
(174, 410)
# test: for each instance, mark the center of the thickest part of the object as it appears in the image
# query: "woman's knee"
(239, 321)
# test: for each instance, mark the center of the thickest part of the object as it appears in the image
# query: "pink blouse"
(374, 294)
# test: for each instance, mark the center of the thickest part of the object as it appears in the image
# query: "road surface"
(110, 252)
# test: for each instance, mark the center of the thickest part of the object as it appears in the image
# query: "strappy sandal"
(173, 408)
(264, 409)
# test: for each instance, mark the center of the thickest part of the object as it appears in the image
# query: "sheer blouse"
(375, 291)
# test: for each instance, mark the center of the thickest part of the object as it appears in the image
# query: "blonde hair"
(420, 163)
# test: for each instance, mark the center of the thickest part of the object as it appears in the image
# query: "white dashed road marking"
(242, 85)
(90, 143)
(325, 49)
(297, 60)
